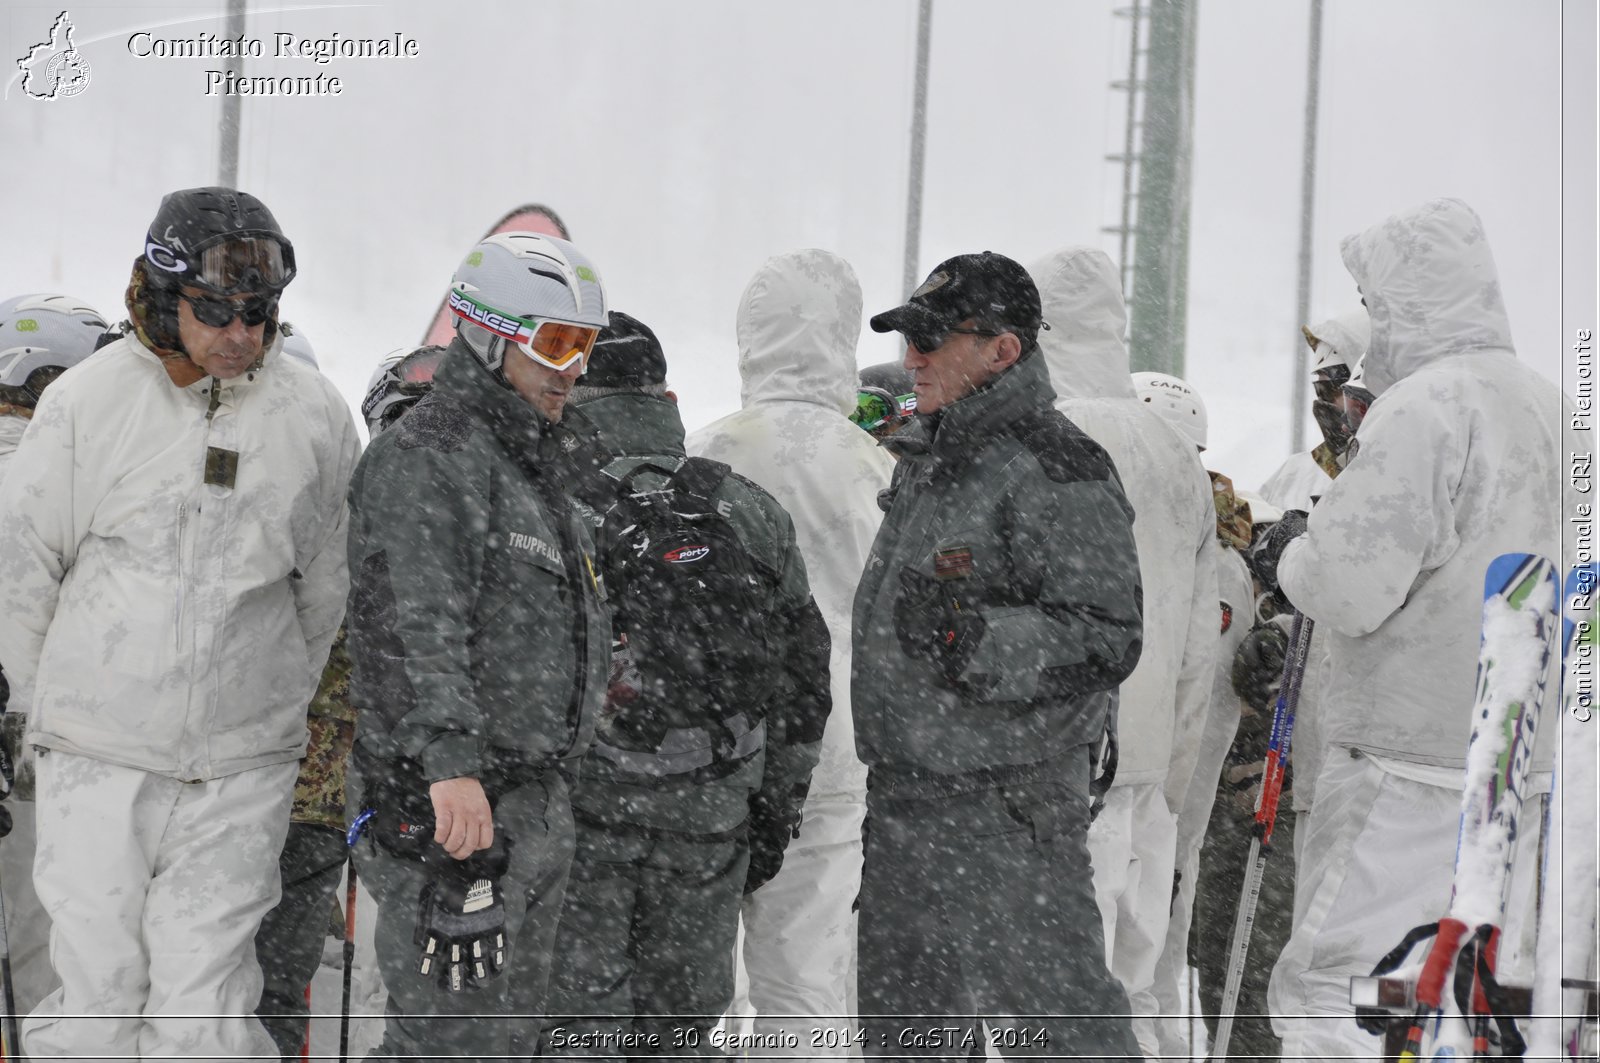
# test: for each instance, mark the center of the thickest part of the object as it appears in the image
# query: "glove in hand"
(461, 929)
(1257, 669)
(774, 821)
(8, 775)
(931, 625)
(1268, 550)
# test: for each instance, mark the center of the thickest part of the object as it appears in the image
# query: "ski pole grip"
(1430, 983)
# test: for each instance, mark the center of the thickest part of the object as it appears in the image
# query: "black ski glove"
(931, 624)
(461, 921)
(16, 759)
(1257, 669)
(1268, 550)
(8, 774)
(774, 821)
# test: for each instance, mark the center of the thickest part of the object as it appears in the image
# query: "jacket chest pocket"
(968, 560)
(525, 577)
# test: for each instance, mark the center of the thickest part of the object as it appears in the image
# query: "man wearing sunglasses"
(999, 610)
(173, 537)
(481, 649)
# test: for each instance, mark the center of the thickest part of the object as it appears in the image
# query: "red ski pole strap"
(1441, 958)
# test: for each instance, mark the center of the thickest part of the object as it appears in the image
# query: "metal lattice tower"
(1157, 149)
(1128, 158)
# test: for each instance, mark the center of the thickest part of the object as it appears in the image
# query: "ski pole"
(350, 839)
(12, 1040)
(1294, 668)
(349, 959)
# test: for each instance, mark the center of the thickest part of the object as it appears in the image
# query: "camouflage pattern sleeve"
(319, 790)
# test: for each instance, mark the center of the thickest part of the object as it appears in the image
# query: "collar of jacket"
(635, 424)
(516, 425)
(960, 430)
(201, 389)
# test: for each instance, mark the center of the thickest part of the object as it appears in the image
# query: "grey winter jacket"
(623, 785)
(476, 631)
(1015, 517)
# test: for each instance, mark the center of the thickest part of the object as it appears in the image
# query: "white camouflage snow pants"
(1133, 845)
(27, 924)
(155, 888)
(1378, 859)
(799, 931)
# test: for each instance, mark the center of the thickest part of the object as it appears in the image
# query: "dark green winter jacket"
(475, 629)
(619, 786)
(1001, 605)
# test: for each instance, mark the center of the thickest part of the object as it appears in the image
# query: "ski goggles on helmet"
(875, 407)
(401, 385)
(243, 264)
(553, 344)
(414, 372)
(219, 313)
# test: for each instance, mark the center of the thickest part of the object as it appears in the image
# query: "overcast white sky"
(685, 143)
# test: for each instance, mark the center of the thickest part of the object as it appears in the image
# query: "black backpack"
(691, 628)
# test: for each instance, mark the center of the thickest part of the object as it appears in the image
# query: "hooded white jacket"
(798, 325)
(1460, 459)
(157, 621)
(1163, 704)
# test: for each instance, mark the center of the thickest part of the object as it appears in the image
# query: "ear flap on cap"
(153, 310)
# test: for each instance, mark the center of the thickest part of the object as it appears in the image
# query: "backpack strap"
(698, 479)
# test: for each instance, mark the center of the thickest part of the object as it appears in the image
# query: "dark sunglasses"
(933, 339)
(219, 313)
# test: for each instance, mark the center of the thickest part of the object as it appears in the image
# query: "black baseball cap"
(990, 288)
(626, 354)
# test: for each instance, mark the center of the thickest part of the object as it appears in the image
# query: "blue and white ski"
(1564, 980)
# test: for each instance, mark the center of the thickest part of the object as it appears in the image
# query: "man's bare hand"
(461, 812)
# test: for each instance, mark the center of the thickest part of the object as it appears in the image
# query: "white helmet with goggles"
(41, 337)
(399, 383)
(539, 293)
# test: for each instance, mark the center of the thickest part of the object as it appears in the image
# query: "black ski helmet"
(217, 239)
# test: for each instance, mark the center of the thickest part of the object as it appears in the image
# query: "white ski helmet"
(511, 283)
(42, 336)
(399, 382)
(1339, 341)
(1177, 403)
(295, 344)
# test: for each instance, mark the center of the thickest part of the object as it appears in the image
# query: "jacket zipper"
(183, 575)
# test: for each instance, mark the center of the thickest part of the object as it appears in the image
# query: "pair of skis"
(1521, 616)
(1458, 1005)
